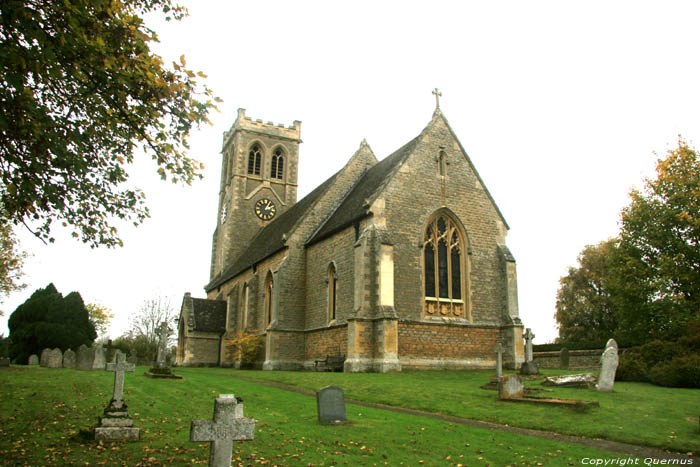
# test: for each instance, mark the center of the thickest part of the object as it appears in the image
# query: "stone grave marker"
(33, 359)
(55, 359)
(564, 359)
(160, 367)
(69, 359)
(228, 425)
(133, 358)
(85, 356)
(529, 367)
(499, 360)
(608, 367)
(116, 424)
(511, 387)
(44, 359)
(331, 405)
(100, 360)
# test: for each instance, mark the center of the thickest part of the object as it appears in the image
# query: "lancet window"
(254, 160)
(277, 164)
(332, 292)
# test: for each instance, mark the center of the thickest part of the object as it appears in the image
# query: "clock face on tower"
(265, 209)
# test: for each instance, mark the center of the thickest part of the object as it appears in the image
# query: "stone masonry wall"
(338, 250)
(414, 195)
(446, 345)
(578, 359)
(323, 342)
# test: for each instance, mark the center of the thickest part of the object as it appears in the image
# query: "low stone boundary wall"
(578, 359)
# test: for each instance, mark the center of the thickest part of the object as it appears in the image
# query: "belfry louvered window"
(254, 160)
(277, 165)
(443, 268)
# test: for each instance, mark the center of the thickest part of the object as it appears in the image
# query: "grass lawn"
(46, 416)
(634, 413)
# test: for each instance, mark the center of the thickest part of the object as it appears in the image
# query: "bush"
(632, 367)
(248, 348)
(680, 372)
(656, 351)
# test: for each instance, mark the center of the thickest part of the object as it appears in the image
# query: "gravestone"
(583, 380)
(100, 360)
(564, 359)
(133, 358)
(85, 357)
(511, 387)
(44, 359)
(116, 424)
(55, 359)
(228, 425)
(331, 405)
(33, 359)
(160, 367)
(529, 367)
(69, 359)
(608, 367)
(499, 360)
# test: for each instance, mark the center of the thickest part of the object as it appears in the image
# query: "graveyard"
(48, 417)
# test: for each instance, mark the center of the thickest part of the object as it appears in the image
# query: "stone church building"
(395, 264)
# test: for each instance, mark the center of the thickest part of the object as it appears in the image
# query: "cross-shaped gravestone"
(528, 344)
(162, 345)
(437, 94)
(228, 425)
(118, 367)
(499, 360)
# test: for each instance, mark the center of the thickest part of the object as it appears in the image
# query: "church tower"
(258, 183)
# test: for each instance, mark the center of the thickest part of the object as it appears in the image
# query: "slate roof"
(209, 315)
(354, 206)
(269, 240)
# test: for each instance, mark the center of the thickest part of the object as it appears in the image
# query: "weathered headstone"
(44, 359)
(69, 359)
(529, 367)
(608, 367)
(162, 345)
(511, 387)
(228, 425)
(33, 359)
(331, 405)
(100, 360)
(55, 359)
(85, 357)
(116, 424)
(583, 380)
(564, 358)
(499, 360)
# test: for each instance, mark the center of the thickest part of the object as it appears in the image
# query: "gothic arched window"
(444, 268)
(332, 292)
(254, 160)
(268, 300)
(277, 164)
(244, 308)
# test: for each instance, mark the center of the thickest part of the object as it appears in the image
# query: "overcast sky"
(560, 105)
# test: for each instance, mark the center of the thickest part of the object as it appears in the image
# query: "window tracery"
(277, 165)
(443, 269)
(254, 160)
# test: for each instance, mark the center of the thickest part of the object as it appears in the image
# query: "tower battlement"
(279, 130)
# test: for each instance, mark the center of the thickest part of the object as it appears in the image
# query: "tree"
(49, 320)
(585, 307)
(100, 316)
(80, 93)
(143, 333)
(11, 261)
(660, 245)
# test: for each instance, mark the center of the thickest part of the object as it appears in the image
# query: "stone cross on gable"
(438, 95)
(499, 362)
(119, 367)
(529, 336)
(228, 425)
